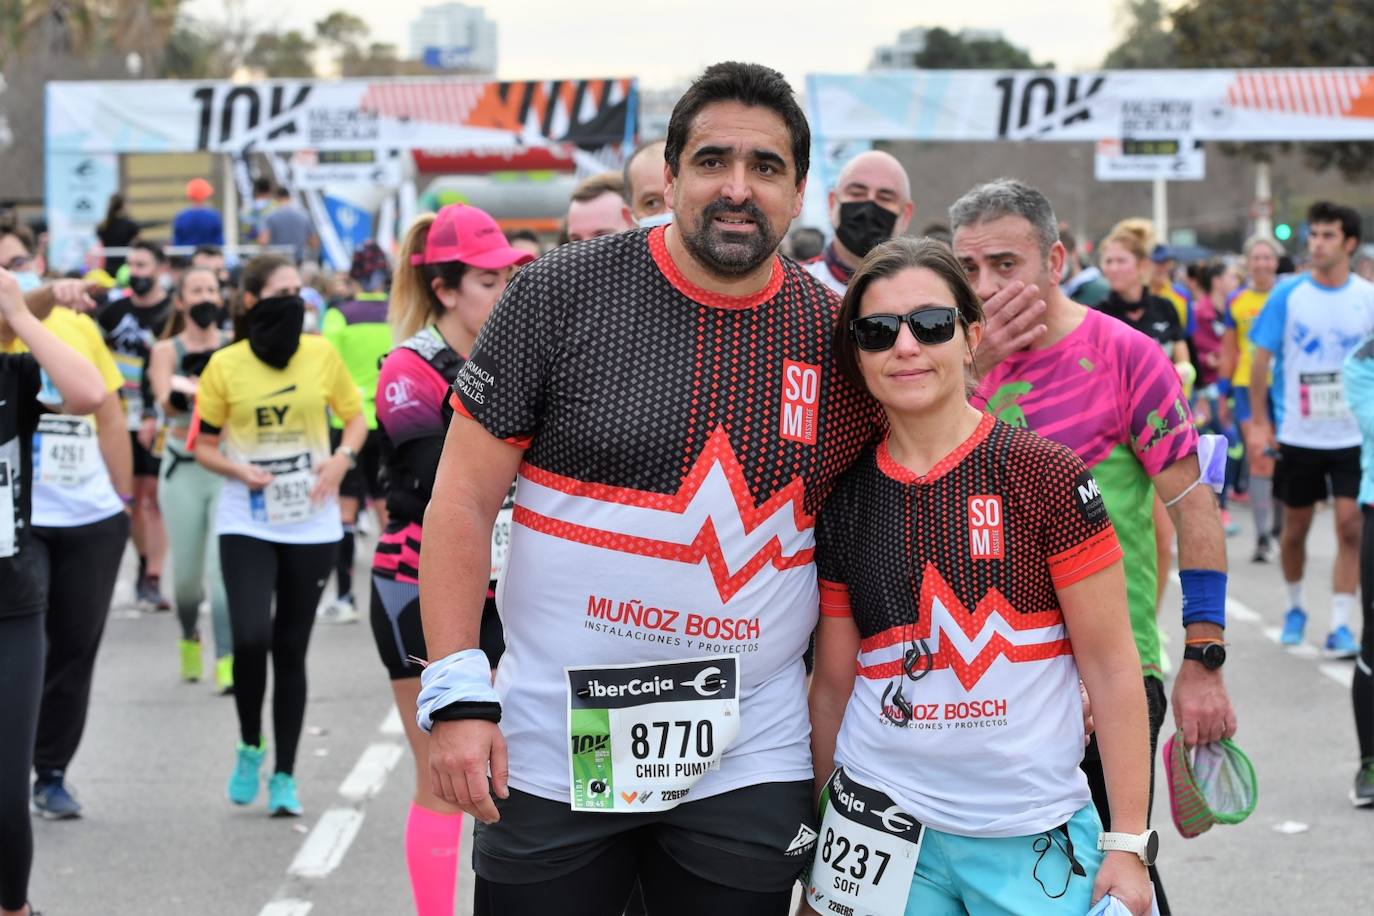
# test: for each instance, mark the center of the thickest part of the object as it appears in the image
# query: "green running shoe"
(224, 675)
(245, 781)
(281, 796)
(191, 667)
(1362, 796)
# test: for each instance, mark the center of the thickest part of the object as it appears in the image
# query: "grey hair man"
(1135, 434)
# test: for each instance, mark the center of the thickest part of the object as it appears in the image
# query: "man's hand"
(1013, 320)
(74, 294)
(1123, 876)
(1202, 708)
(460, 754)
(12, 303)
(147, 432)
(1261, 438)
(331, 475)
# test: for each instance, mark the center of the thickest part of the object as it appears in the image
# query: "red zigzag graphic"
(968, 671)
(706, 545)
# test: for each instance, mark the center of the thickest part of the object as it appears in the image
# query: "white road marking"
(286, 908)
(369, 774)
(327, 844)
(1341, 674)
(392, 724)
(1235, 610)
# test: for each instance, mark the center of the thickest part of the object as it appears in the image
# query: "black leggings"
(603, 886)
(254, 571)
(1362, 687)
(21, 684)
(80, 566)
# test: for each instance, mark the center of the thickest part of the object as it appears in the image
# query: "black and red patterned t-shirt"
(966, 707)
(678, 445)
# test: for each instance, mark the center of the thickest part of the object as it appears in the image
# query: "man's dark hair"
(525, 235)
(749, 84)
(261, 186)
(213, 251)
(1324, 211)
(22, 234)
(807, 243)
(282, 194)
(152, 248)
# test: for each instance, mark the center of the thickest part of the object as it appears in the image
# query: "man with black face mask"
(130, 326)
(870, 203)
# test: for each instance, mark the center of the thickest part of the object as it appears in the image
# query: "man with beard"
(131, 325)
(669, 402)
(870, 203)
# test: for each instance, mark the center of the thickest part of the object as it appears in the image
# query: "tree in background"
(945, 50)
(1256, 33)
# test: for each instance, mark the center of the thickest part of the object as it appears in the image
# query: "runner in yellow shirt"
(278, 522)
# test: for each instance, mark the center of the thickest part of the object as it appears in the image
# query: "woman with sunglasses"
(970, 570)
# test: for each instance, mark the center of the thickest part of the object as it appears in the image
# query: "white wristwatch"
(1145, 845)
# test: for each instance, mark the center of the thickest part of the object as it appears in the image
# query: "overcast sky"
(664, 42)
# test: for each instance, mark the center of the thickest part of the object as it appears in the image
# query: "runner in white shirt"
(1308, 327)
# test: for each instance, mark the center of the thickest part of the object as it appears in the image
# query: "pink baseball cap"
(464, 233)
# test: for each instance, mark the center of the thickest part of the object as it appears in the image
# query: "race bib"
(133, 409)
(866, 852)
(1320, 396)
(500, 535)
(287, 498)
(8, 545)
(642, 735)
(66, 452)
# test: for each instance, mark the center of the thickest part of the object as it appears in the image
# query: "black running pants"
(256, 571)
(21, 684)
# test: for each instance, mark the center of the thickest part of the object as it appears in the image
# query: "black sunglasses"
(929, 325)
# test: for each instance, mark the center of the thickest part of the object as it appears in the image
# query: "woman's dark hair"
(749, 84)
(887, 260)
(113, 211)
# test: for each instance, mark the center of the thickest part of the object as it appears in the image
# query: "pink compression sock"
(432, 841)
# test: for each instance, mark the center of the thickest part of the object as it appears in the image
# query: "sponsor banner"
(1235, 105)
(289, 115)
(77, 189)
(1118, 161)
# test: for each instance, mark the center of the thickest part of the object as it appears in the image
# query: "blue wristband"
(1204, 596)
(461, 677)
(1223, 387)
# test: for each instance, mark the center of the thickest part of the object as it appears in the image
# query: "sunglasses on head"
(928, 324)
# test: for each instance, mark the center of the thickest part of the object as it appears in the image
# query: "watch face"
(1214, 656)
(1151, 846)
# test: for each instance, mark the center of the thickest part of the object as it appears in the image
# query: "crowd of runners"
(698, 569)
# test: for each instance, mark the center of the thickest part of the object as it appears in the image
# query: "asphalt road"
(158, 836)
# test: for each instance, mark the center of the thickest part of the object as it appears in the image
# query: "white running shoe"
(341, 610)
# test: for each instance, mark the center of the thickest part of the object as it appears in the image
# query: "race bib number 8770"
(640, 736)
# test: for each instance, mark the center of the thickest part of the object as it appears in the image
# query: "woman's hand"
(253, 476)
(331, 475)
(147, 432)
(1123, 876)
(185, 384)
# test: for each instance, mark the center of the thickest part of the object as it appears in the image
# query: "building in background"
(911, 42)
(454, 36)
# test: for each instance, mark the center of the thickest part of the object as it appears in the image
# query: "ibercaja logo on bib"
(801, 399)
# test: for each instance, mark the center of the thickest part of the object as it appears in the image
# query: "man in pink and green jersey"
(1107, 391)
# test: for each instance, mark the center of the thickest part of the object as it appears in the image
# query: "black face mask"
(864, 226)
(204, 314)
(274, 329)
(142, 286)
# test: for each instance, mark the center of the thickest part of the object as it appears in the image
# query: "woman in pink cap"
(455, 265)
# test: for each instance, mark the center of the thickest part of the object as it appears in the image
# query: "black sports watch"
(1212, 655)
